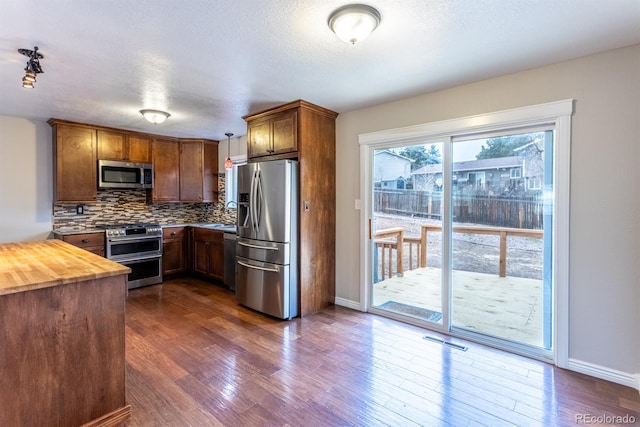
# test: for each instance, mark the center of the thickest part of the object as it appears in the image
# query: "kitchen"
(175, 172)
(601, 84)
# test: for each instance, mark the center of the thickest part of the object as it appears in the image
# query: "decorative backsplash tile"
(129, 206)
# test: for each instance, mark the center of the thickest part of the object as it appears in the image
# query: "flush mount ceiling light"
(228, 163)
(33, 66)
(354, 22)
(155, 116)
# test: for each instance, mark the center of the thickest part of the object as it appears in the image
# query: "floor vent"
(443, 342)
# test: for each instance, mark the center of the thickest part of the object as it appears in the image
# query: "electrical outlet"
(79, 209)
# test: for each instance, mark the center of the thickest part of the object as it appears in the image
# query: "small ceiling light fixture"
(33, 66)
(155, 116)
(354, 22)
(228, 163)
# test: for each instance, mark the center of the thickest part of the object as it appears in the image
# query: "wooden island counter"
(62, 336)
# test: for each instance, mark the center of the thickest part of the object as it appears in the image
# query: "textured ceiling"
(209, 62)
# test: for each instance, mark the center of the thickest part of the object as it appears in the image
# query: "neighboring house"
(502, 175)
(533, 170)
(391, 170)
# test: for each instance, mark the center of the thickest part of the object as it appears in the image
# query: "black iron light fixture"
(228, 163)
(33, 66)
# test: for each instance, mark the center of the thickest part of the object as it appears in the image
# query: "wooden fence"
(522, 211)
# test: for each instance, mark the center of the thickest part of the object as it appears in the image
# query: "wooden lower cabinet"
(92, 242)
(208, 253)
(63, 345)
(174, 250)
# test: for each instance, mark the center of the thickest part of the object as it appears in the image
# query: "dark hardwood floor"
(197, 358)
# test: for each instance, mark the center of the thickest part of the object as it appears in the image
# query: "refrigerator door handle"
(258, 199)
(248, 245)
(252, 201)
(273, 270)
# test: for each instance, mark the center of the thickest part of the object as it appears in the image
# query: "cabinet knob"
(84, 241)
(173, 233)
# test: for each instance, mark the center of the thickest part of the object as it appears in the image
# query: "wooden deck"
(506, 307)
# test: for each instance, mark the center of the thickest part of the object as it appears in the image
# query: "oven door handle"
(136, 259)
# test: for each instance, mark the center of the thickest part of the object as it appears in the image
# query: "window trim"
(237, 161)
(557, 114)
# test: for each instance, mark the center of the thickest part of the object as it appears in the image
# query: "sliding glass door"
(407, 200)
(462, 236)
(501, 234)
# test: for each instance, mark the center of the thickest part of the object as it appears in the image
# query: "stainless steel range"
(139, 247)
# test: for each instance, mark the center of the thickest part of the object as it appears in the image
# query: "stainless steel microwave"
(115, 174)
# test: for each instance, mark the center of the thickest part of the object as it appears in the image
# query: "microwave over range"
(116, 174)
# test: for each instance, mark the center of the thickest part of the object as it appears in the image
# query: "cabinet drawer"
(205, 235)
(169, 233)
(85, 240)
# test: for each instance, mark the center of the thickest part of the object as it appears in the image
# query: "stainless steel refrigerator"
(267, 245)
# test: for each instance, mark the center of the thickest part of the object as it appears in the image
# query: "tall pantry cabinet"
(305, 132)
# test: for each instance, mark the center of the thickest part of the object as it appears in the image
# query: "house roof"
(471, 165)
(389, 152)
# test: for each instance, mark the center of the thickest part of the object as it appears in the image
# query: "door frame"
(556, 113)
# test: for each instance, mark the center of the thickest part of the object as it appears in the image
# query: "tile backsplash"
(129, 206)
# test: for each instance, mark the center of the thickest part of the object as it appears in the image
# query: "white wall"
(26, 172)
(604, 286)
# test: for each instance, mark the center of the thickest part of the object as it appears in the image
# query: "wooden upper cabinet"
(198, 170)
(122, 146)
(191, 171)
(185, 170)
(139, 149)
(166, 170)
(274, 134)
(75, 165)
(285, 132)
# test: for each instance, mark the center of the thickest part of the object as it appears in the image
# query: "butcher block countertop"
(42, 264)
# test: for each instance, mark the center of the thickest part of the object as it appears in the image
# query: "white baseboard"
(354, 305)
(603, 373)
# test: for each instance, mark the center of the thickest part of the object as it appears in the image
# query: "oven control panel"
(133, 231)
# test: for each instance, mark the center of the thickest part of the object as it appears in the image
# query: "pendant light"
(228, 163)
